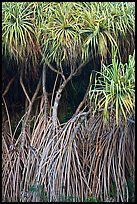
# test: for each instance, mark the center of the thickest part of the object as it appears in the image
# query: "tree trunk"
(28, 114)
(62, 86)
(57, 99)
(44, 91)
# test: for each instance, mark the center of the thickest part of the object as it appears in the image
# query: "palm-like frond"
(64, 31)
(101, 24)
(18, 34)
(116, 87)
(84, 156)
(61, 34)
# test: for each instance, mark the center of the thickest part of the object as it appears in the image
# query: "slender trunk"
(44, 91)
(8, 86)
(83, 102)
(57, 99)
(62, 86)
(8, 116)
(23, 87)
(28, 113)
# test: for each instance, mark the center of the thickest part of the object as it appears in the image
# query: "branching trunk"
(59, 92)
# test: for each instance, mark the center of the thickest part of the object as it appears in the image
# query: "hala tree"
(63, 34)
(72, 37)
(64, 37)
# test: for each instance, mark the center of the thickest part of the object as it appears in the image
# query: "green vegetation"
(39, 190)
(92, 199)
(68, 91)
(115, 88)
(44, 197)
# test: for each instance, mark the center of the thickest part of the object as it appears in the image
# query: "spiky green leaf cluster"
(65, 31)
(115, 88)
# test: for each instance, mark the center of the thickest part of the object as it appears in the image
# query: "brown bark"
(23, 87)
(62, 86)
(44, 91)
(28, 113)
(8, 86)
(57, 99)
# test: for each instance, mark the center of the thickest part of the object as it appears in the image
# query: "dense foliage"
(70, 67)
(115, 88)
(64, 31)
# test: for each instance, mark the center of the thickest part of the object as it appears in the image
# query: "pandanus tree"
(63, 34)
(73, 37)
(113, 98)
(63, 38)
